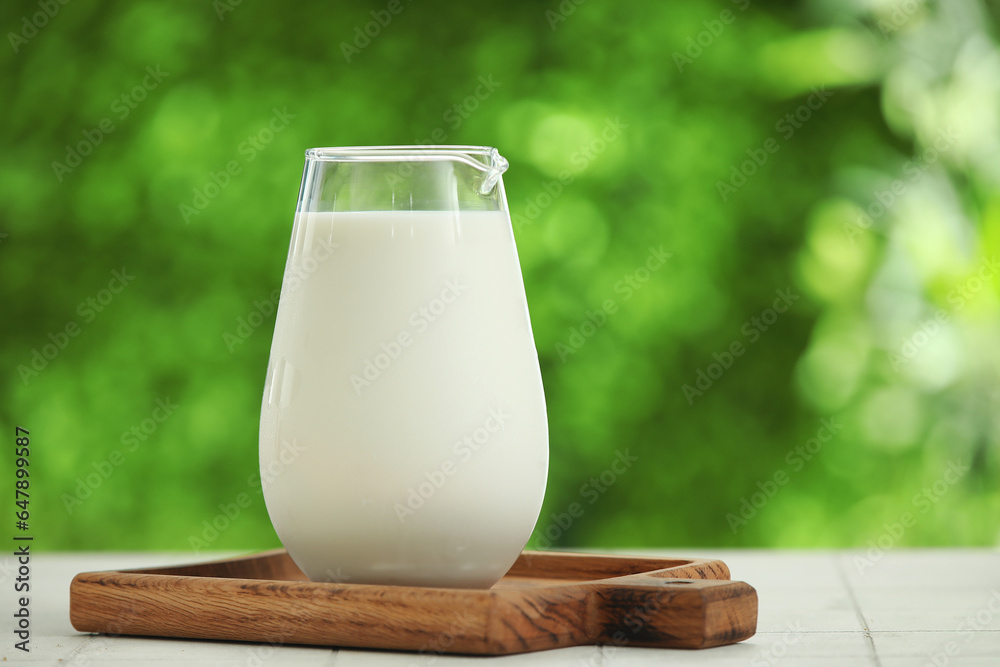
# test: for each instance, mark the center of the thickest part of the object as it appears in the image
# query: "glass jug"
(403, 433)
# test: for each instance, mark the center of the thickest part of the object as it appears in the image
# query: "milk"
(403, 436)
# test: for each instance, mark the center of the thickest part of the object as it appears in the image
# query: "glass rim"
(486, 159)
(416, 151)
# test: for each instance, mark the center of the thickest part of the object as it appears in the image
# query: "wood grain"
(547, 600)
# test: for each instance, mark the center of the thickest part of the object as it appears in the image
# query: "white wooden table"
(907, 607)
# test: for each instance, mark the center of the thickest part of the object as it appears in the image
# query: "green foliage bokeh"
(695, 93)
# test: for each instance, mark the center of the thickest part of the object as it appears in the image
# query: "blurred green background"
(845, 155)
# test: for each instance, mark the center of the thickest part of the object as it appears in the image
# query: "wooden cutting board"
(547, 600)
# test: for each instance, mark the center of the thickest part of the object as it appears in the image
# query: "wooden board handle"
(675, 613)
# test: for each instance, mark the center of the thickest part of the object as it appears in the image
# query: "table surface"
(926, 607)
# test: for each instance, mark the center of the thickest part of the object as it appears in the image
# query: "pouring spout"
(493, 171)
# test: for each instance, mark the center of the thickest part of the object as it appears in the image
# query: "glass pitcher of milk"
(403, 433)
